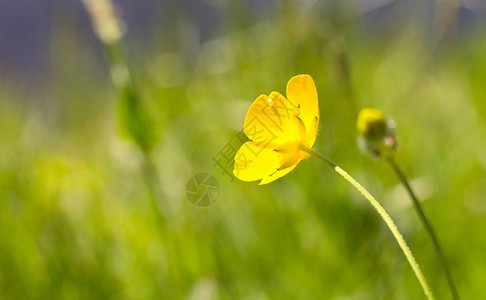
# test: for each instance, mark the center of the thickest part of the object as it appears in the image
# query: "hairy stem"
(384, 215)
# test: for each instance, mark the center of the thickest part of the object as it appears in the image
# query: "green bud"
(376, 133)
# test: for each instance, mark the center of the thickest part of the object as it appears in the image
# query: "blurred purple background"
(27, 27)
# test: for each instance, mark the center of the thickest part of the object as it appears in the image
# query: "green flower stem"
(428, 226)
(389, 222)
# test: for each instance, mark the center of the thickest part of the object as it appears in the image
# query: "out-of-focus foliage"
(76, 220)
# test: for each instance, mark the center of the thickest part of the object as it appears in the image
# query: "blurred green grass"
(75, 216)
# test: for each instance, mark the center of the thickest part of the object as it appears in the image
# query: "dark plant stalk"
(427, 225)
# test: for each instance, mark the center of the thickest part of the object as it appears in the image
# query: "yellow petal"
(277, 175)
(273, 120)
(302, 91)
(289, 159)
(253, 162)
(312, 133)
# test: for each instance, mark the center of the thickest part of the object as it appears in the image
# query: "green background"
(77, 213)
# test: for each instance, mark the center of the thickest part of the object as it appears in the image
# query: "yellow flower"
(277, 126)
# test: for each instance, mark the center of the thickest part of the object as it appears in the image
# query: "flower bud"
(376, 133)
